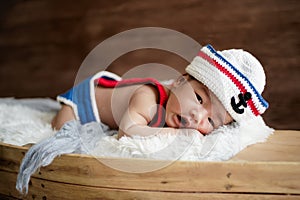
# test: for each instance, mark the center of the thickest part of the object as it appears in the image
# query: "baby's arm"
(142, 108)
(134, 123)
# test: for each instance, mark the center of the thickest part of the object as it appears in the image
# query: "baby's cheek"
(169, 122)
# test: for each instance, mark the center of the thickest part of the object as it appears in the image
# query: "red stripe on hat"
(240, 86)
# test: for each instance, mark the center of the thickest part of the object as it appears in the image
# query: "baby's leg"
(64, 115)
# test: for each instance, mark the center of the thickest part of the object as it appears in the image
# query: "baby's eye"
(211, 122)
(199, 98)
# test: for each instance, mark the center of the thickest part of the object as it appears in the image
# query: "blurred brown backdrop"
(43, 43)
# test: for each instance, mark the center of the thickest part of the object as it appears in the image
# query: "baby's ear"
(180, 80)
(186, 75)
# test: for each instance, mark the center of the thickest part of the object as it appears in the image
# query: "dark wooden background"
(43, 42)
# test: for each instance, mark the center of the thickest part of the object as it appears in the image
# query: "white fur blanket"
(28, 121)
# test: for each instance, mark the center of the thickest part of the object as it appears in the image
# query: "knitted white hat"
(235, 76)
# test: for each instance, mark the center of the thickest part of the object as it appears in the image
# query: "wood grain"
(280, 147)
(44, 189)
(242, 175)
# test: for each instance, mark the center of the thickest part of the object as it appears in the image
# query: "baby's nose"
(197, 116)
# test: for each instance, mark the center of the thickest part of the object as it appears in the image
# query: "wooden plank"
(44, 189)
(181, 176)
(282, 146)
(231, 176)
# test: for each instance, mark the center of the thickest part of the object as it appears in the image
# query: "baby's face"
(192, 105)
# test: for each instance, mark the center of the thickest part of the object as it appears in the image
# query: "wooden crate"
(269, 170)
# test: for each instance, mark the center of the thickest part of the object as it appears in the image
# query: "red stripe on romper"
(135, 81)
(232, 77)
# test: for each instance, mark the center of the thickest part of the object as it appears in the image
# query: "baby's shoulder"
(146, 91)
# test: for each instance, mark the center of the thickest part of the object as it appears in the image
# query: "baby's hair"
(188, 77)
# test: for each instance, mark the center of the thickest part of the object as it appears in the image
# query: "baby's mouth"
(182, 121)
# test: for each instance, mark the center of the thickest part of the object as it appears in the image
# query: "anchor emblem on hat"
(243, 98)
